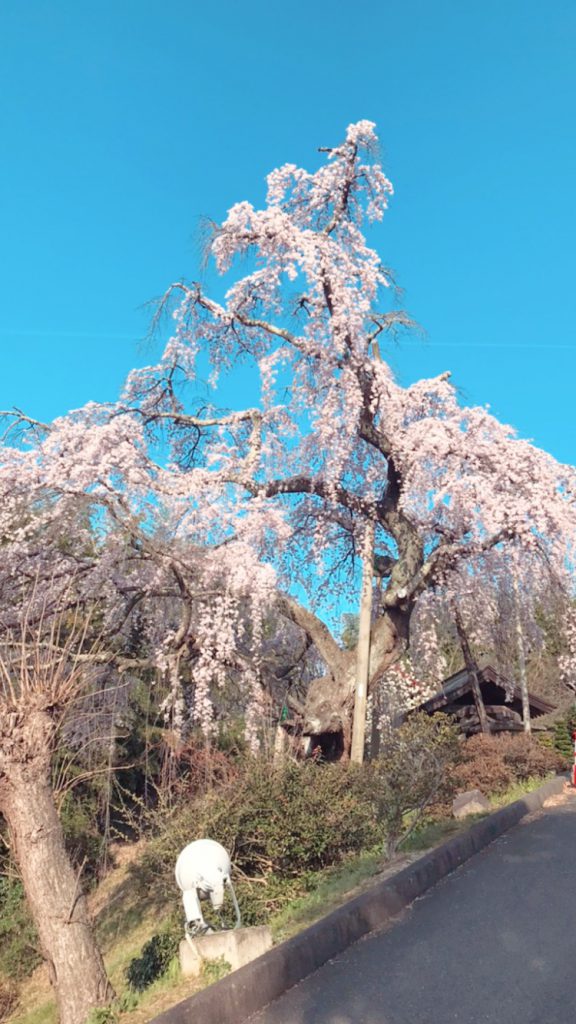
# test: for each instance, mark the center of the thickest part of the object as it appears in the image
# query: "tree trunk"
(472, 669)
(51, 885)
(526, 719)
(521, 659)
(327, 707)
(280, 745)
(375, 733)
(363, 650)
(330, 699)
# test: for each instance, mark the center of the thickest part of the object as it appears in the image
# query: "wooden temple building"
(502, 700)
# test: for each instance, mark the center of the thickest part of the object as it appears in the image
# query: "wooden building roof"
(501, 696)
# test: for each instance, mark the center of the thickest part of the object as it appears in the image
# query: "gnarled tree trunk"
(52, 886)
(329, 700)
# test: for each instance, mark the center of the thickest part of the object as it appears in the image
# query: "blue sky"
(123, 122)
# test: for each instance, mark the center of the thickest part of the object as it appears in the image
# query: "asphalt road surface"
(494, 942)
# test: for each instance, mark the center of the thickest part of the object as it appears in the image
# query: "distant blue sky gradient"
(124, 122)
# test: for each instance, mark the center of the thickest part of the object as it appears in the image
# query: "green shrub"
(279, 823)
(294, 819)
(112, 1014)
(562, 737)
(213, 970)
(154, 960)
(413, 773)
(283, 823)
(103, 1015)
(19, 953)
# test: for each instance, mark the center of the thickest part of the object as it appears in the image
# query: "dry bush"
(203, 769)
(493, 763)
(528, 758)
(8, 999)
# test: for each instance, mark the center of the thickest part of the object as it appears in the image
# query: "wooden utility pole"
(363, 649)
(364, 631)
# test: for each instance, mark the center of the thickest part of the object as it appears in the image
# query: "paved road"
(494, 942)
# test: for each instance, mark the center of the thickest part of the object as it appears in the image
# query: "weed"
(213, 970)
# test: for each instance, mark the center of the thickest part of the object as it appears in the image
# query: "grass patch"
(328, 889)
(431, 834)
(43, 1014)
(214, 970)
(518, 790)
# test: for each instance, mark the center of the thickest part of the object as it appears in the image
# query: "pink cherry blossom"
(199, 515)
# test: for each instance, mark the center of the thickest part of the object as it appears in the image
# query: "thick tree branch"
(336, 659)
(185, 420)
(447, 554)
(301, 484)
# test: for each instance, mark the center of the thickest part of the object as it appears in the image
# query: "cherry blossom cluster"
(204, 519)
(399, 691)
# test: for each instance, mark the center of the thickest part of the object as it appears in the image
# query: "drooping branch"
(17, 422)
(450, 553)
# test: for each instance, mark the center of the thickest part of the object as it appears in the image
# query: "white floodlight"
(203, 871)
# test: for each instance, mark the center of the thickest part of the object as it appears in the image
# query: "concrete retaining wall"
(249, 989)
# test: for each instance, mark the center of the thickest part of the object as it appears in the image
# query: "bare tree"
(43, 668)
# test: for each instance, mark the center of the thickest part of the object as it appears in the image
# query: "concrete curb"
(249, 989)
